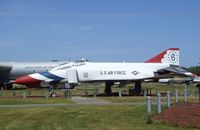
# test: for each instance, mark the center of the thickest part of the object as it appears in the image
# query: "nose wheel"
(52, 92)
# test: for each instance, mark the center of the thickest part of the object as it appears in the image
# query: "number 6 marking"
(173, 58)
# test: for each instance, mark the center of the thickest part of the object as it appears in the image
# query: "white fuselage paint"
(89, 71)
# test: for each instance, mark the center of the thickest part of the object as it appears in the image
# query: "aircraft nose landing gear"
(52, 92)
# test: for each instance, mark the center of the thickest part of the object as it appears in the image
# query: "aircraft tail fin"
(169, 56)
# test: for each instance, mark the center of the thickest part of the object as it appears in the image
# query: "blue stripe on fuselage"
(51, 76)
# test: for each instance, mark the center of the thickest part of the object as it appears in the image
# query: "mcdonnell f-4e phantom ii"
(163, 65)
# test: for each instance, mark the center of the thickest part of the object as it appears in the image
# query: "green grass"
(18, 101)
(155, 87)
(143, 99)
(123, 99)
(83, 117)
(79, 117)
(80, 90)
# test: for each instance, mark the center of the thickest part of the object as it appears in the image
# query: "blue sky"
(99, 30)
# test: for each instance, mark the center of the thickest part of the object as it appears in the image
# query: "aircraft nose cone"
(27, 80)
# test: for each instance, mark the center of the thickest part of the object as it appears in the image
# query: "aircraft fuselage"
(12, 70)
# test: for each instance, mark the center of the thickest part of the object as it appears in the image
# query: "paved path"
(88, 101)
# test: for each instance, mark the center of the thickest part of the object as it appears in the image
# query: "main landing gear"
(108, 89)
(136, 91)
(138, 88)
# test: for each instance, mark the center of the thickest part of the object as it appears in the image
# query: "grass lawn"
(79, 117)
(18, 101)
(143, 99)
(80, 90)
(83, 117)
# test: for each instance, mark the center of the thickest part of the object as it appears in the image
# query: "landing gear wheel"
(108, 90)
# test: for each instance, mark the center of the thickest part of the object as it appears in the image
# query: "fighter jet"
(163, 65)
(11, 70)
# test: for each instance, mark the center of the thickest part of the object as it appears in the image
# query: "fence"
(175, 94)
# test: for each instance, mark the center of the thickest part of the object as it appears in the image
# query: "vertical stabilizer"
(169, 56)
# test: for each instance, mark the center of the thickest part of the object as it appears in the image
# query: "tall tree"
(194, 69)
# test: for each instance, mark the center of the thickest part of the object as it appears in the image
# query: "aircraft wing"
(173, 71)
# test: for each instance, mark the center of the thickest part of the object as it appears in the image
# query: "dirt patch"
(187, 115)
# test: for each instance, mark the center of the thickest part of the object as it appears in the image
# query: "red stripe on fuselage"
(27, 80)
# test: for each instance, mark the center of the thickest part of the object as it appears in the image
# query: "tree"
(194, 69)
